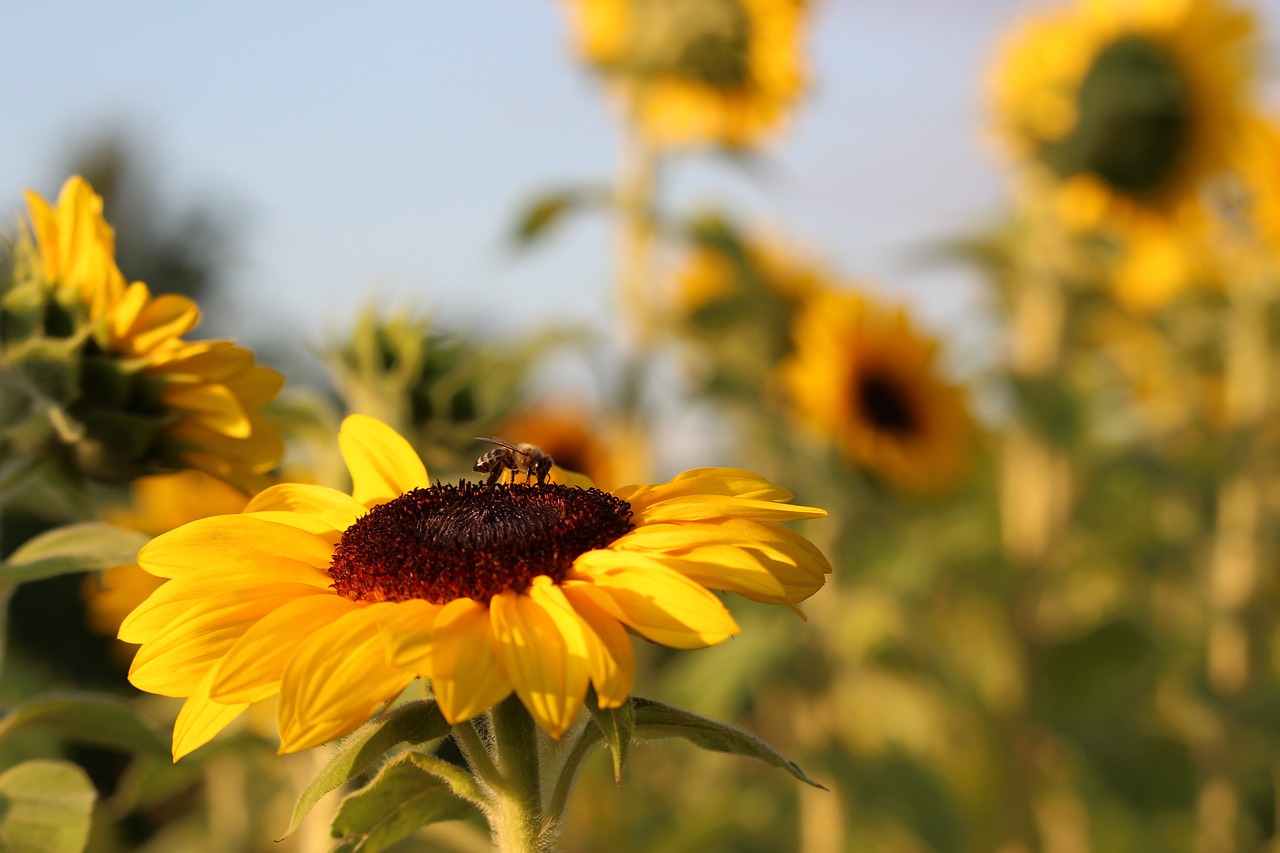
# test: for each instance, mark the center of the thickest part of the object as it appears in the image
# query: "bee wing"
(501, 442)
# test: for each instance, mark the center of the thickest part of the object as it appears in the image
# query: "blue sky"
(385, 150)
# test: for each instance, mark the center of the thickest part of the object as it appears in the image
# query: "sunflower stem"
(518, 821)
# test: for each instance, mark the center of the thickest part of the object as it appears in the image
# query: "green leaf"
(98, 720)
(73, 548)
(655, 720)
(416, 722)
(401, 798)
(618, 727)
(547, 210)
(45, 807)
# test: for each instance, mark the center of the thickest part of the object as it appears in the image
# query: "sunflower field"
(771, 561)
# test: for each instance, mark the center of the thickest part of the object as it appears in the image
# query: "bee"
(521, 458)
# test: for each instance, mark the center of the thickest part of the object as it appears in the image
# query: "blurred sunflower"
(698, 71)
(862, 377)
(1133, 105)
(142, 396)
(160, 503)
(1157, 260)
(335, 602)
(581, 441)
(717, 270)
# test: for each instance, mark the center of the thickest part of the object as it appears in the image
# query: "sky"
(385, 151)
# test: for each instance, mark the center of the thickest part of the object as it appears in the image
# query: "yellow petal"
(250, 670)
(337, 509)
(706, 481)
(173, 662)
(336, 681)
(201, 719)
(255, 386)
(611, 660)
(168, 316)
(232, 540)
(655, 601)
(466, 676)
(705, 507)
(168, 604)
(544, 652)
(383, 465)
(408, 628)
(212, 406)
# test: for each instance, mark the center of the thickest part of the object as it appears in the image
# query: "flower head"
(698, 71)
(1132, 104)
(118, 379)
(336, 602)
(862, 377)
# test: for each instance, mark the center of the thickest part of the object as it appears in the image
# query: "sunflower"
(1132, 104)
(334, 603)
(149, 396)
(160, 503)
(862, 377)
(698, 71)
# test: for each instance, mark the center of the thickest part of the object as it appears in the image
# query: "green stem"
(518, 822)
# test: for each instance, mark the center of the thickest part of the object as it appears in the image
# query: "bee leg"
(494, 476)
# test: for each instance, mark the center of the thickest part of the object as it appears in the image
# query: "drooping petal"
(337, 509)
(611, 659)
(173, 662)
(544, 652)
(251, 669)
(336, 681)
(466, 676)
(232, 540)
(200, 719)
(164, 318)
(408, 628)
(382, 464)
(655, 601)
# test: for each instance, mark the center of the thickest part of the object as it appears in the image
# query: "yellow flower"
(334, 603)
(698, 71)
(208, 393)
(160, 503)
(1157, 260)
(864, 379)
(1132, 103)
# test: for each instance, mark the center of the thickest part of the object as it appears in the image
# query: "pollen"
(472, 541)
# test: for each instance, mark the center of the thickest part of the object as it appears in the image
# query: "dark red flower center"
(472, 541)
(886, 404)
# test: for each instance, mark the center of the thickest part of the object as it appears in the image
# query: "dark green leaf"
(416, 722)
(45, 807)
(618, 726)
(73, 548)
(655, 720)
(401, 798)
(98, 720)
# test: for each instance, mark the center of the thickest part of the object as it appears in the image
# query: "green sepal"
(117, 446)
(22, 312)
(401, 798)
(73, 548)
(414, 723)
(47, 368)
(45, 806)
(654, 720)
(617, 725)
(86, 718)
(108, 382)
